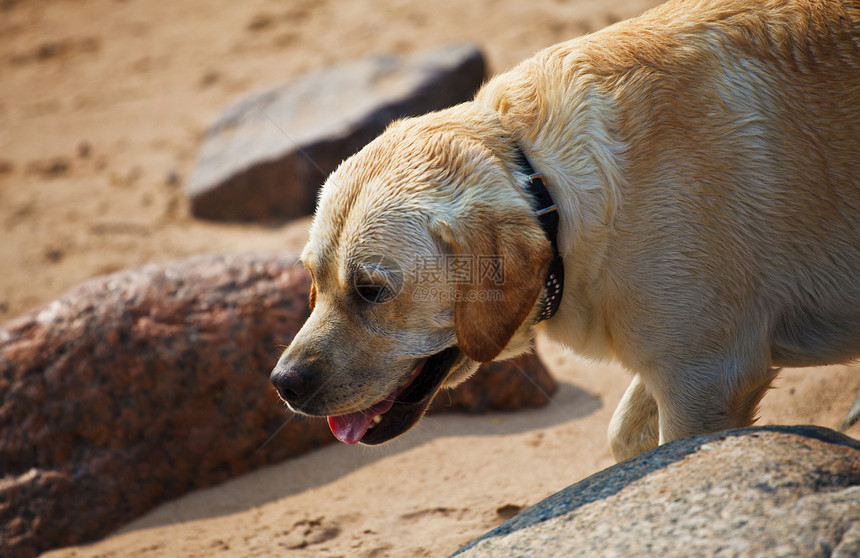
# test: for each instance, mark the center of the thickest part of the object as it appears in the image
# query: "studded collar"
(547, 214)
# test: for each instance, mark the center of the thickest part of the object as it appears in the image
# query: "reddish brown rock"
(509, 385)
(137, 387)
(140, 386)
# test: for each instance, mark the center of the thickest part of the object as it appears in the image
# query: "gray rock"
(766, 491)
(267, 154)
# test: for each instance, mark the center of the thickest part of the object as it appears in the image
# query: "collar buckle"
(538, 177)
(545, 210)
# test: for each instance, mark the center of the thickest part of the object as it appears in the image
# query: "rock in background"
(266, 155)
(766, 491)
(137, 387)
(510, 385)
(140, 386)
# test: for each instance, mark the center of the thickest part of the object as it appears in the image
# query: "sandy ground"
(102, 107)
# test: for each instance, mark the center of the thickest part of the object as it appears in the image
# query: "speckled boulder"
(508, 385)
(766, 491)
(137, 387)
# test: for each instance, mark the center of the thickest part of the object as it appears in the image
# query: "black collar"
(547, 214)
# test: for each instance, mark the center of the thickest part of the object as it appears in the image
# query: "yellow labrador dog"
(679, 192)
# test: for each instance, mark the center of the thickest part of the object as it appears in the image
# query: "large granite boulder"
(508, 385)
(137, 387)
(140, 386)
(268, 153)
(766, 491)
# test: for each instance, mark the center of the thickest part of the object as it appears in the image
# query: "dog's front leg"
(634, 427)
(710, 399)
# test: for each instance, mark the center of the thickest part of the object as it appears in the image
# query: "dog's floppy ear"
(508, 262)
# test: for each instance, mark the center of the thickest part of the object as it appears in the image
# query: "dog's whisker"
(275, 433)
(292, 416)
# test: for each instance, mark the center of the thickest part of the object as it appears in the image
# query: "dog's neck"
(547, 214)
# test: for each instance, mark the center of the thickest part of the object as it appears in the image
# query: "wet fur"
(705, 158)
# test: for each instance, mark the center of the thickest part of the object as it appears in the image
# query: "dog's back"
(731, 159)
(764, 101)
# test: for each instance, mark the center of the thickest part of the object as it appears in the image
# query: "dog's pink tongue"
(349, 429)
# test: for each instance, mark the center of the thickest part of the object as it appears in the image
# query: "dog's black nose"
(291, 383)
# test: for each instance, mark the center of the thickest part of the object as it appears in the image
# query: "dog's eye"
(370, 292)
(377, 282)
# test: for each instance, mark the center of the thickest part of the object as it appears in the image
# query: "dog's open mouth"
(398, 412)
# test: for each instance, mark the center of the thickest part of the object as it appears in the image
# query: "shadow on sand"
(332, 462)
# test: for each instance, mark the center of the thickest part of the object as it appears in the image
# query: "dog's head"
(426, 260)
